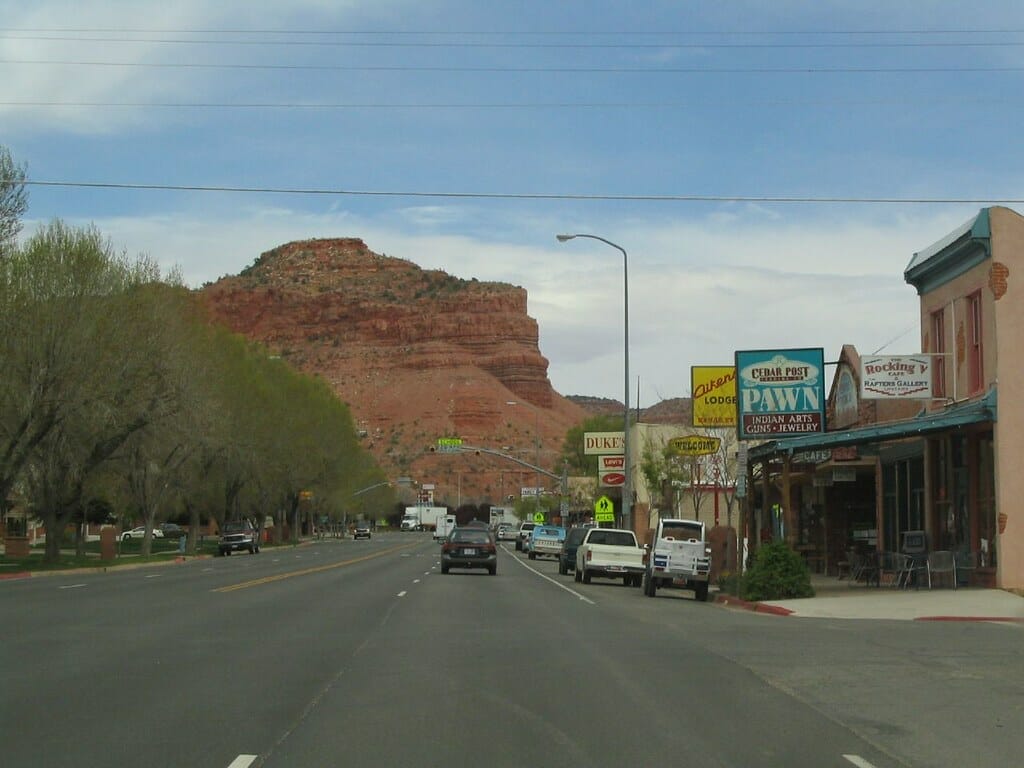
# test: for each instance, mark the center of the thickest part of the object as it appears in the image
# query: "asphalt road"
(362, 653)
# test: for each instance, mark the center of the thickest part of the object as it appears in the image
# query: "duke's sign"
(780, 392)
(597, 443)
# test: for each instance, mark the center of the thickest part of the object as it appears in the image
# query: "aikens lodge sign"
(781, 392)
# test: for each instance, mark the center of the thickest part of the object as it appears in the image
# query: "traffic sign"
(538, 517)
(449, 444)
(604, 510)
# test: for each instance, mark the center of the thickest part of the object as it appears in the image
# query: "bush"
(778, 573)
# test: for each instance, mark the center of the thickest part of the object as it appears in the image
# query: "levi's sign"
(597, 443)
(781, 392)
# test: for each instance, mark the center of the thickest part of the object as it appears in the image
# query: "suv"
(567, 557)
(236, 536)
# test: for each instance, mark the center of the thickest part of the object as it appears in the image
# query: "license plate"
(616, 568)
(469, 551)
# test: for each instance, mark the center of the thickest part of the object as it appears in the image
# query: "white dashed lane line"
(859, 761)
(242, 761)
(403, 593)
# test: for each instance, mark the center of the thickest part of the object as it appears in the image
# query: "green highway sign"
(449, 444)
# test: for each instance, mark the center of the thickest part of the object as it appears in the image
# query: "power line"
(537, 70)
(541, 33)
(695, 198)
(499, 45)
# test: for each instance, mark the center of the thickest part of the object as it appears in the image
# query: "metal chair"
(963, 562)
(903, 570)
(941, 562)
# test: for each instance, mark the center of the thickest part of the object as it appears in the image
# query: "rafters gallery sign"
(892, 376)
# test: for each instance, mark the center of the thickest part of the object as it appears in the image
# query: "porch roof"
(959, 415)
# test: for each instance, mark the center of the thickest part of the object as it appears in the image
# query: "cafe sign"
(889, 377)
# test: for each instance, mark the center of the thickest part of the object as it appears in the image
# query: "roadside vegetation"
(120, 400)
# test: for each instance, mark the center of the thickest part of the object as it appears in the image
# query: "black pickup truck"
(238, 536)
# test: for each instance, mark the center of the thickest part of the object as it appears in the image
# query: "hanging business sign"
(713, 395)
(611, 471)
(597, 443)
(694, 445)
(780, 392)
(885, 377)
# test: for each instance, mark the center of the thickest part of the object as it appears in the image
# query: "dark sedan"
(469, 548)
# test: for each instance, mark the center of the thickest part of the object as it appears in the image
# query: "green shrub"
(778, 573)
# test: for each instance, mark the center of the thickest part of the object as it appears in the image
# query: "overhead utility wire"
(524, 195)
(492, 33)
(553, 46)
(541, 70)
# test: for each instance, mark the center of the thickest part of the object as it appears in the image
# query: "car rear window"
(681, 531)
(613, 538)
(474, 537)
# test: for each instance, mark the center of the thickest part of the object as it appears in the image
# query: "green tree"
(13, 199)
(572, 448)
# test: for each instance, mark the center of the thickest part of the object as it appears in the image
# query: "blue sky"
(484, 129)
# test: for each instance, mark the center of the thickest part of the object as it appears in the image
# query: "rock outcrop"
(417, 354)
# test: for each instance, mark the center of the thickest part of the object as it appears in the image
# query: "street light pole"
(627, 486)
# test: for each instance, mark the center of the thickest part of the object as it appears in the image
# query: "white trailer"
(444, 527)
(422, 518)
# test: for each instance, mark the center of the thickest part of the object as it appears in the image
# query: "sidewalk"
(835, 599)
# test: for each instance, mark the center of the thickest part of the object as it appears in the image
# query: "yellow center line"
(307, 571)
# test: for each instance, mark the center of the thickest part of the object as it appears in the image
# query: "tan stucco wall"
(1008, 250)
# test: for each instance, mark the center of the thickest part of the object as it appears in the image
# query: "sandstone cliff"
(417, 354)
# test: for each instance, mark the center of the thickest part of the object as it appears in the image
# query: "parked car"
(237, 536)
(362, 531)
(140, 531)
(172, 531)
(469, 547)
(567, 557)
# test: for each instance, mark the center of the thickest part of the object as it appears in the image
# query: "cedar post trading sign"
(780, 392)
(694, 445)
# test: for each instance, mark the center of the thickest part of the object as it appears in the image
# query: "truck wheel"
(533, 555)
(444, 569)
(562, 569)
(252, 549)
(700, 591)
(576, 576)
(492, 570)
(585, 578)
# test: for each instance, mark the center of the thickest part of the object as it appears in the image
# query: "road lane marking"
(415, 581)
(153, 576)
(859, 761)
(72, 586)
(307, 571)
(403, 593)
(243, 761)
(558, 584)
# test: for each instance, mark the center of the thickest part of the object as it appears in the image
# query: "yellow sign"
(694, 445)
(604, 510)
(713, 389)
(538, 517)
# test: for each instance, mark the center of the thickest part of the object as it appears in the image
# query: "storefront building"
(948, 464)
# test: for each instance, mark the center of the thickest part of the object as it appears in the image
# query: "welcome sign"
(780, 392)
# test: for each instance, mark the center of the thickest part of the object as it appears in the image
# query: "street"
(362, 653)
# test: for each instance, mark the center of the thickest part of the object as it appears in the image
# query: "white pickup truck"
(611, 553)
(679, 556)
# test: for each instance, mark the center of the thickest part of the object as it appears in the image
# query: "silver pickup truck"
(679, 556)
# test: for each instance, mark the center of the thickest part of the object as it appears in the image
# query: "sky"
(769, 167)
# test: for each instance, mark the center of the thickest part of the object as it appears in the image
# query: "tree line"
(117, 392)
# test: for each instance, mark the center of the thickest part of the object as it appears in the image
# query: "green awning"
(961, 415)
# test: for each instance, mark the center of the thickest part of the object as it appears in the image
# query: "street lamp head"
(563, 238)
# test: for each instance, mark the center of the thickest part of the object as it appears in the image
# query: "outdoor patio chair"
(941, 562)
(963, 563)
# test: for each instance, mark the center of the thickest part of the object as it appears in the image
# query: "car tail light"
(491, 548)
(589, 555)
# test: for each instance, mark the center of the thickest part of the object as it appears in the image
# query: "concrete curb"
(1011, 619)
(735, 602)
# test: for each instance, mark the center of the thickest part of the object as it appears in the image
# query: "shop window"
(975, 371)
(938, 350)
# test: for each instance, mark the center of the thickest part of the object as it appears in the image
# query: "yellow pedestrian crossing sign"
(604, 510)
